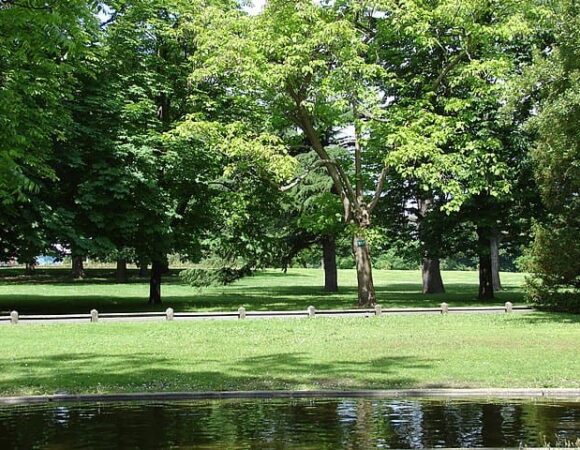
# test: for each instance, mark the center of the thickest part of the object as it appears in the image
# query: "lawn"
(53, 291)
(499, 350)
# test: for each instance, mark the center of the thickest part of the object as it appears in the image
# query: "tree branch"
(301, 177)
(379, 190)
(366, 114)
(448, 68)
(335, 171)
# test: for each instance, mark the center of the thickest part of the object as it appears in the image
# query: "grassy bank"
(537, 350)
(52, 291)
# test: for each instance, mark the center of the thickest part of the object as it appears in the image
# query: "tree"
(306, 63)
(125, 184)
(164, 176)
(316, 212)
(42, 50)
(452, 63)
(554, 82)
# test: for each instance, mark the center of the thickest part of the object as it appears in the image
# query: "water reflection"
(298, 424)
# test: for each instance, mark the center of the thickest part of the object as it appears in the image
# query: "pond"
(289, 423)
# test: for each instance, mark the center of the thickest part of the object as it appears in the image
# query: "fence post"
(311, 311)
(444, 308)
(509, 307)
(94, 315)
(169, 313)
(378, 310)
(14, 317)
(241, 312)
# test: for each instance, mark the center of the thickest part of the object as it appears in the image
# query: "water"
(288, 423)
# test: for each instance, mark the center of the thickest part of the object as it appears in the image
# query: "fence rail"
(170, 315)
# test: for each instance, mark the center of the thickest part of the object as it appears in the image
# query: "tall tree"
(553, 81)
(307, 63)
(165, 196)
(452, 62)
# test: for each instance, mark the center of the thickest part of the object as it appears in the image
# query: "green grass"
(52, 291)
(507, 350)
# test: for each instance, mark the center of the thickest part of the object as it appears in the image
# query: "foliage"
(555, 79)
(43, 49)
(452, 62)
(213, 276)
(392, 261)
(190, 127)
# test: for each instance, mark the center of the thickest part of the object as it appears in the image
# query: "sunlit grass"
(507, 350)
(52, 291)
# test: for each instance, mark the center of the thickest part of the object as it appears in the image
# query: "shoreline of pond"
(561, 394)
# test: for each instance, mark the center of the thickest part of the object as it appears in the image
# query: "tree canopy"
(133, 130)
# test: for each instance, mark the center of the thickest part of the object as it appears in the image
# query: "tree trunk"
(143, 268)
(78, 270)
(366, 289)
(485, 270)
(158, 268)
(29, 268)
(494, 249)
(121, 272)
(432, 281)
(329, 263)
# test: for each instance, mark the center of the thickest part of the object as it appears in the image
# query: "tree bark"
(432, 281)
(494, 250)
(485, 269)
(158, 268)
(121, 272)
(329, 263)
(430, 267)
(78, 270)
(366, 288)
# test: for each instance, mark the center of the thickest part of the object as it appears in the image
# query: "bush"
(391, 261)
(214, 276)
(548, 299)
(345, 262)
(554, 261)
(459, 263)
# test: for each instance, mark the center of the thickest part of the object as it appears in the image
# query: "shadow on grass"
(550, 318)
(264, 300)
(62, 277)
(88, 372)
(98, 291)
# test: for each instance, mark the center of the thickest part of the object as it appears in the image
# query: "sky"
(256, 7)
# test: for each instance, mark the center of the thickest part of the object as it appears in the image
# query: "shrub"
(554, 261)
(204, 277)
(345, 262)
(391, 261)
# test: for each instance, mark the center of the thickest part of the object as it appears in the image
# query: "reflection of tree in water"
(287, 423)
(548, 424)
